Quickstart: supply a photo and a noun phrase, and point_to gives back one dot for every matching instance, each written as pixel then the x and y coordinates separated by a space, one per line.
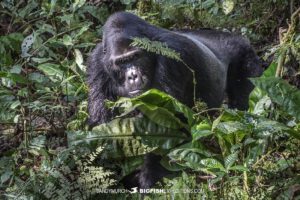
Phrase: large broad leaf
pixel 265 127
pixel 257 94
pixel 129 137
pixel 158 107
pixel 160 115
pixel 281 93
pixel 189 155
pixel 168 102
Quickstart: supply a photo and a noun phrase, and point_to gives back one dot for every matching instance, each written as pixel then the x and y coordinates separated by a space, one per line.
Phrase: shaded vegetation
pixel 47 151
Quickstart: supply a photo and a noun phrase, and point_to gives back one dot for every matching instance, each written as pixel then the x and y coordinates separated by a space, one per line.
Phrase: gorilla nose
pixel 132 76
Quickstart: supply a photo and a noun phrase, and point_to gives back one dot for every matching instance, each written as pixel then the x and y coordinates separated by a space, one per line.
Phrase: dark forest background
pixel 47 151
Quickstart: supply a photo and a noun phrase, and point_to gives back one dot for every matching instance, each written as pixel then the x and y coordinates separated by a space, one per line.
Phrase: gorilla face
pixel 131 68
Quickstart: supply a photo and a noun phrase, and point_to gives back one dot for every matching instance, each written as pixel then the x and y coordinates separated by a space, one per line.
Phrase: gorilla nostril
pixel 134 76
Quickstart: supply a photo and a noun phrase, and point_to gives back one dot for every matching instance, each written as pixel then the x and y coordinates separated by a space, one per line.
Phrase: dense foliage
pixel 47 151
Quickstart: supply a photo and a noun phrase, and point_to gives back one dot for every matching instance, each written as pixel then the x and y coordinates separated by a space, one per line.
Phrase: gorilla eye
pixel 128 57
pixel 125 59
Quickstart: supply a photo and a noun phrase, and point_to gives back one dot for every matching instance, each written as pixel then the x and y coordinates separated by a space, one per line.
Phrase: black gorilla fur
pixel 222 61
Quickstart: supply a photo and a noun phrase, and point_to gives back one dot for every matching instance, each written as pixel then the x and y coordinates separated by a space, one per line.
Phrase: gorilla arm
pixel 100 86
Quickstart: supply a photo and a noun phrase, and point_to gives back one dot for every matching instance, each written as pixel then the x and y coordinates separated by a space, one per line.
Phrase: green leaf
pixel 68 79
pixel 17 78
pixel 100 13
pixel 189 155
pixel 26 10
pixel 160 116
pixel 263 104
pixel 52 7
pixel 228 6
pixel 171 165
pixel 67 40
pixel 264 125
pixel 40 60
pixel 38 142
pixel 270 71
pixel 16 69
pixel 282 93
pixel 192 146
pixel 37 77
pixel 230 160
pixel 129 137
pixel 128 2
pixel 79 60
pixel 231 127
pixel 6 176
pixel 131 164
pixel 211 163
pixel 201 130
pixel 77 4
pixel 26 45
pixel 257 94
pixel 46 28
pixel 53 71
pixel 83 29
pixel 15 104
pixel 239 168
pixel 208 3
pixel 159 107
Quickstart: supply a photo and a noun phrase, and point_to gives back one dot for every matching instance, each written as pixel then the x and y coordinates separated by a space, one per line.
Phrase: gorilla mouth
pixel 134 92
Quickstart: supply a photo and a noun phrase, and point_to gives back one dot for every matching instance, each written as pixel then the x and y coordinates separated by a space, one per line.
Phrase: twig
pixel 207 110
pixel 291 7
pixel 263 157
pixel 285 38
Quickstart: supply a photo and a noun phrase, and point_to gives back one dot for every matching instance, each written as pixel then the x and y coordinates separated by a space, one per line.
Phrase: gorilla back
pixel 222 62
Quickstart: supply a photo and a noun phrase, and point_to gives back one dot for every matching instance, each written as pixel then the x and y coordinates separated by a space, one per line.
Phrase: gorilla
pixel 222 62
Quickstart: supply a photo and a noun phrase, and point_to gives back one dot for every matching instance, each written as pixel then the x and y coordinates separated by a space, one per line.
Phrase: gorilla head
pixel 222 63
pixel 131 69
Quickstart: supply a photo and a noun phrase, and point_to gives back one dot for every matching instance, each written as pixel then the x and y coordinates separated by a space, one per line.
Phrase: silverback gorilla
pixel 222 62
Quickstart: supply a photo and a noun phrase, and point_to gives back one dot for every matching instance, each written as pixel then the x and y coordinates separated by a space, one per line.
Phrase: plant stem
pixel 245 180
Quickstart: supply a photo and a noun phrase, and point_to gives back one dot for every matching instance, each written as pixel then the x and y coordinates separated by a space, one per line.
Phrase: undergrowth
pixel 47 151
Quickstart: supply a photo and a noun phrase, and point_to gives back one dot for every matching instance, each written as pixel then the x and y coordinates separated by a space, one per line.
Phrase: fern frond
pixel 84 183
pixel 156 47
